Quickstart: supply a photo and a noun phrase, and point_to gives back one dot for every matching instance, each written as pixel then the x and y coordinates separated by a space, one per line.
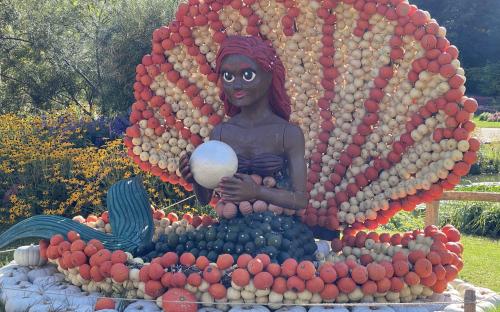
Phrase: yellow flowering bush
pixel 48 166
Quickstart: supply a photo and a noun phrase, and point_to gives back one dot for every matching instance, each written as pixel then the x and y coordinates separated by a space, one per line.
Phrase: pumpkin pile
pixel 280 237
pixel 366 267
pixel 375 85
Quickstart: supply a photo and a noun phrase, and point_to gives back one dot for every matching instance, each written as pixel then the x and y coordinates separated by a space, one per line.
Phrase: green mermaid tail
pixel 129 213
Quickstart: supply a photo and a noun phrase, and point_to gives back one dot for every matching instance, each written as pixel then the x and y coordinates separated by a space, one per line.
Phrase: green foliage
pixel 484 116
pixel 476 218
pixel 472 27
pixel 53 54
pixel 488 160
pixel 493 188
pixel 406 221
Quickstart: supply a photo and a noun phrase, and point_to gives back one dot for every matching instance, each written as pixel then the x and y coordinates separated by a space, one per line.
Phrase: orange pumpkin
pixel 274 269
pixel 179 300
pixel 306 270
pixel 95 274
pixel 423 267
pixel 397 284
pixel 96 243
pixel 55 240
pixel 77 245
pixel 376 271
pixel 212 274
pixel 255 266
pixel 167 280
pixel 90 250
pixel 327 272
pixel 179 279
pixel 412 278
pixel 118 256
pixel 156 271
pixel 240 277
pixel 73 236
pixel 202 262
pixel 263 280
pixel 341 268
pixel 266 260
pixel 169 259
pixel 105 268
pixel 84 271
pixel 217 291
pixel 289 267
pixel 346 285
pixel 194 279
pixel 315 284
pixel 330 292
pixel 104 303
pixel 243 260
pixel 295 283
pixel 401 268
pixel 279 285
pixel 187 259
pixel 225 261
pixel 154 289
pixel 144 274
pixel 119 272
pixel 78 258
pixel 369 288
pixel 383 285
pixel 359 274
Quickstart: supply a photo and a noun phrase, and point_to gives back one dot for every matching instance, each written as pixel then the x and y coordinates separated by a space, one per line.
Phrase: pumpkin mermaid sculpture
pixel 252 78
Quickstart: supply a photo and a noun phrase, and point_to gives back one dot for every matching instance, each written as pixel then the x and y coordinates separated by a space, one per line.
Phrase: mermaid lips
pixel 240 94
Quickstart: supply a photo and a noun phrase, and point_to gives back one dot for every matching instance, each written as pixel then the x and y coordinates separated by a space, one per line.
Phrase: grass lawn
pixel 486 124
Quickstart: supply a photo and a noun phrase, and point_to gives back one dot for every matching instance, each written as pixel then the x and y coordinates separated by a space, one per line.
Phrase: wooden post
pixel 431 213
pixel 470 300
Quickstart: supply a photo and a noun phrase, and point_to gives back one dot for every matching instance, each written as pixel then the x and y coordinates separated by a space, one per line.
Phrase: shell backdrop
pixel 375 85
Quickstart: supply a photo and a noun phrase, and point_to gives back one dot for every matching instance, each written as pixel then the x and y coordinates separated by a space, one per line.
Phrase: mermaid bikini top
pixel 264 164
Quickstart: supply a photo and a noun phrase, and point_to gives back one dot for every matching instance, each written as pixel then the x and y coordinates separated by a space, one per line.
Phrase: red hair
pixel 265 55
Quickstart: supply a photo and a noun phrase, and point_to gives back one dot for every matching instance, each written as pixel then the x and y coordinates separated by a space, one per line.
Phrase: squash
pixel 29 256
pixel 179 300
pixel 48 280
pixel 22 303
pixel 41 272
pixel 15 290
pixel 12 277
pixel 142 305
pixel 250 308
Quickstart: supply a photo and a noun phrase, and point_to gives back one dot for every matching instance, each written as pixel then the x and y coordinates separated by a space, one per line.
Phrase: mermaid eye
pixel 228 77
pixel 249 75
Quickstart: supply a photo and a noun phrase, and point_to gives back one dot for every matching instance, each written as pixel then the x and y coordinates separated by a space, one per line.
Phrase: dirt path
pixel 488 135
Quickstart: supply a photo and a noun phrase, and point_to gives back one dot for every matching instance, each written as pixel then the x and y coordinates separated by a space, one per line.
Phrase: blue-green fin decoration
pixel 130 217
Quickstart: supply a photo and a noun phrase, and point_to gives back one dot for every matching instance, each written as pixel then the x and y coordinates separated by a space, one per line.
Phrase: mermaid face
pixel 244 81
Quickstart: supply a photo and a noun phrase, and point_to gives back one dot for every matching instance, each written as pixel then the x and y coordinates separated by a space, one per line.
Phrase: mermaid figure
pixel 252 84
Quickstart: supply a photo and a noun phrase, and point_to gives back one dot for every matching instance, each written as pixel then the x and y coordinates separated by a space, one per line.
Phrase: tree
pixel 80 52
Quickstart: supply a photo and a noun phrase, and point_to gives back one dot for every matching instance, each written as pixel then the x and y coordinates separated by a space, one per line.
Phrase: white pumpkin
pixel 250 308
pixel 373 309
pixel 12 278
pixel 292 309
pixel 22 303
pixel 46 281
pixel 142 305
pixel 328 309
pixel 29 256
pixel 14 290
pixel 41 272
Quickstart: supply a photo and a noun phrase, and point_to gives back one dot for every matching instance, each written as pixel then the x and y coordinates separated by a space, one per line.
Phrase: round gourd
pixel 212 161
pixel 28 256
